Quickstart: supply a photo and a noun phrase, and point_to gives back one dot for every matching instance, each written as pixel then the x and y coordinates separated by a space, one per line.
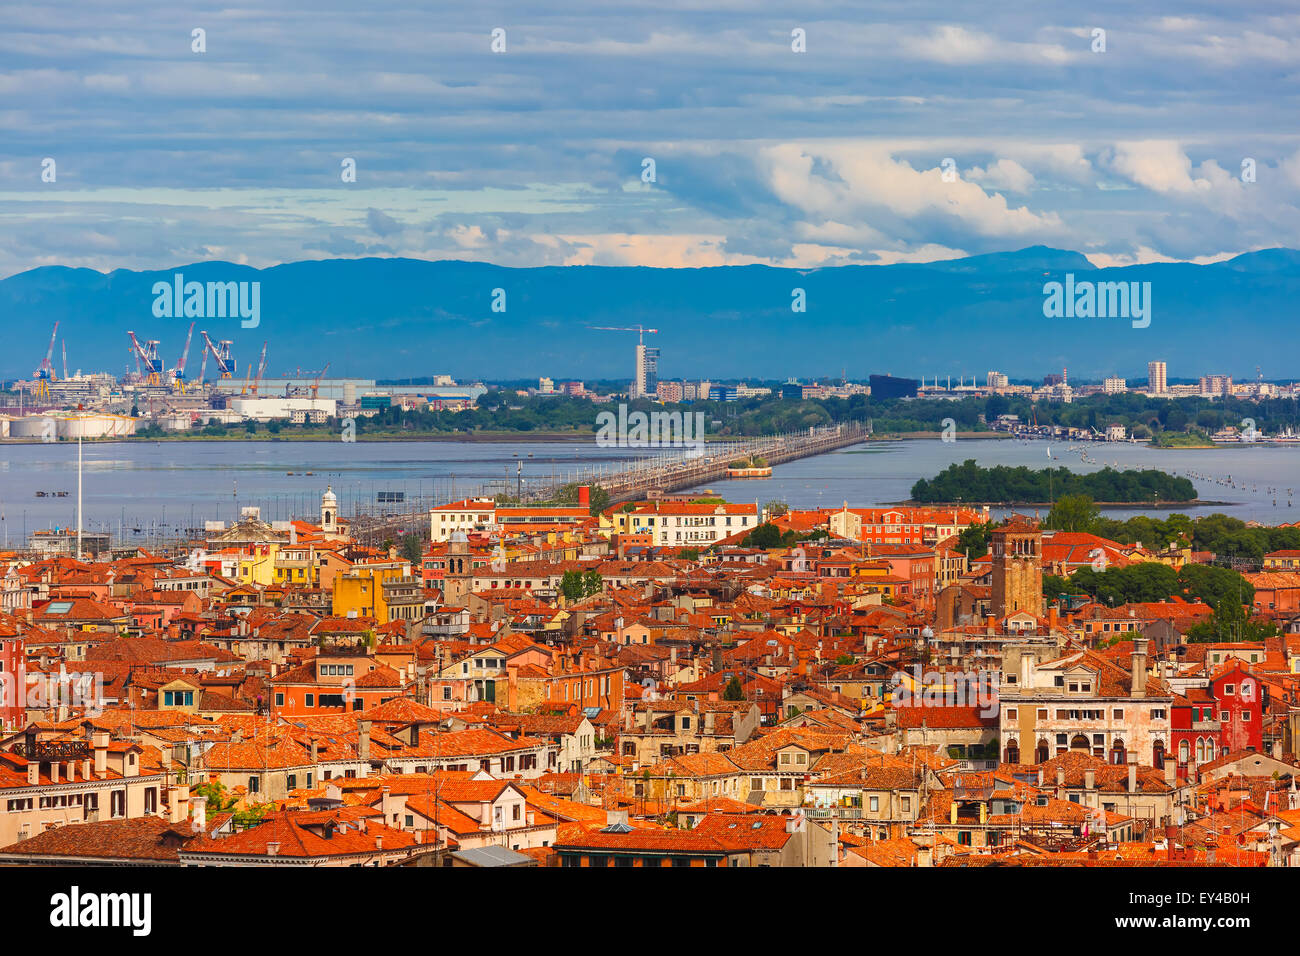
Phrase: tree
pixel 766 535
pixel 220 800
pixel 599 499
pixel 776 508
pixel 412 549
pixel 734 691
pixel 973 541
pixel 1072 513
pixel 1230 622
pixel 571 586
pixel 592 583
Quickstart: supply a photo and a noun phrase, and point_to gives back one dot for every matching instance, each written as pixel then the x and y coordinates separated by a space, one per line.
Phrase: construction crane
pixel 221 352
pixel 178 373
pixel 315 386
pixel 639 329
pixel 147 358
pixel 261 370
pixel 44 373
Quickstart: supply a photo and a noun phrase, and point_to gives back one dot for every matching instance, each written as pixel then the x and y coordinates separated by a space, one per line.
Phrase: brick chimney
pixel 363 740
pixel 1139 664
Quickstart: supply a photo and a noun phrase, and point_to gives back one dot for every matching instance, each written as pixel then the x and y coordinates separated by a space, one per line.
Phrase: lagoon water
pixel 884 471
pixel 162 488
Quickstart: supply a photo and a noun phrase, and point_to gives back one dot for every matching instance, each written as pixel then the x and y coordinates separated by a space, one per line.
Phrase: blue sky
pixel 534 156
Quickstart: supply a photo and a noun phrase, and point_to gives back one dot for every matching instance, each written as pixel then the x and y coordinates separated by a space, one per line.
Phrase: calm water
pixel 884 472
pixel 152 491
pixel 164 488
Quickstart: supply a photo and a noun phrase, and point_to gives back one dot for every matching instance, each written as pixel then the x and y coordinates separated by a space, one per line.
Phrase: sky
pixel 1127 146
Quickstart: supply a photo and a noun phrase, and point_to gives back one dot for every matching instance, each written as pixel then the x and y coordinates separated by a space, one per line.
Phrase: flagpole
pixel 79 552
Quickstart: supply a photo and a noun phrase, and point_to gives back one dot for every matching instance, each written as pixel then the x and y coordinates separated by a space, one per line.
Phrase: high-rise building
pixel 1156 381
pixel 1114 385
pixel 646 383
pixel 1213 385
pixel 997 380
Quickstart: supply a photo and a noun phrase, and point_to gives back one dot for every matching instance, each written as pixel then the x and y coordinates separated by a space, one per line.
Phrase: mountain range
pixel 397 318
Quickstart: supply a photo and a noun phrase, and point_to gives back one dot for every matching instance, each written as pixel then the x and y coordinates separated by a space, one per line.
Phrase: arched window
pixel 1158 755
pixel 1012 751
pixel 1042 755
pixel 1118 752
pixel 1184 752
pixel 1079 742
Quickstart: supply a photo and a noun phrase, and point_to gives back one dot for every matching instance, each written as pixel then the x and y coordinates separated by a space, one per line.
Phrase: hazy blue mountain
pixel 388 318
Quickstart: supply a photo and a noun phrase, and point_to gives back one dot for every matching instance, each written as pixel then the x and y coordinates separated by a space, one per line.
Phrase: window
pixel 309 700
pixel 279 700
pixel 254 784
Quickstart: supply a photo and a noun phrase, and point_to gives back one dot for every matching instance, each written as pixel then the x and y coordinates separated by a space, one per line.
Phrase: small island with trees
pixel 969 483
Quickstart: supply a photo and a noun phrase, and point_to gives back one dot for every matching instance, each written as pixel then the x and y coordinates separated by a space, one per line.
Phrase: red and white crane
pixel 147 356
pixel 221 352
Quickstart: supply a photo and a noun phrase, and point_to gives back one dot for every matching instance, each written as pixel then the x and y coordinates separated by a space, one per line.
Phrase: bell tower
pixel 329 511
pixel 456 582
pixel 1017 552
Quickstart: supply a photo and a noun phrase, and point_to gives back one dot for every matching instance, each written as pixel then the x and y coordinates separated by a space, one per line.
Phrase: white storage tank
pixel 97 425
pixel 34 426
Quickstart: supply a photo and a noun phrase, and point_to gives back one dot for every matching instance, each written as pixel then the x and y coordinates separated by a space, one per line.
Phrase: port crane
pixel 261 370
pixel 221 352
pixel 44 373
pixel 178 373
pixel 315 386
pixel 147 359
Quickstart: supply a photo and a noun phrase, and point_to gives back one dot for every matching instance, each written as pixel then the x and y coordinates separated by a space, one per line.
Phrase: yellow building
pixel 259 566
pixel 360 591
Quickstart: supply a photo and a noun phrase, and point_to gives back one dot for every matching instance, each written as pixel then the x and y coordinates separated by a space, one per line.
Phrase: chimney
pixel 1140 666
pixel 1132 772
pixel 273 849
pixel 1060 778
pixel 198 813
pixel 177 809
pixel 1090 779
pixel 72 770
pixel 85 768
pixel 1171 771
pixel 363 740
pixel 33 773
pixel 379 843
pixel 1170 833
pixel 99 740
pixel 54 771
pixel 315 749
